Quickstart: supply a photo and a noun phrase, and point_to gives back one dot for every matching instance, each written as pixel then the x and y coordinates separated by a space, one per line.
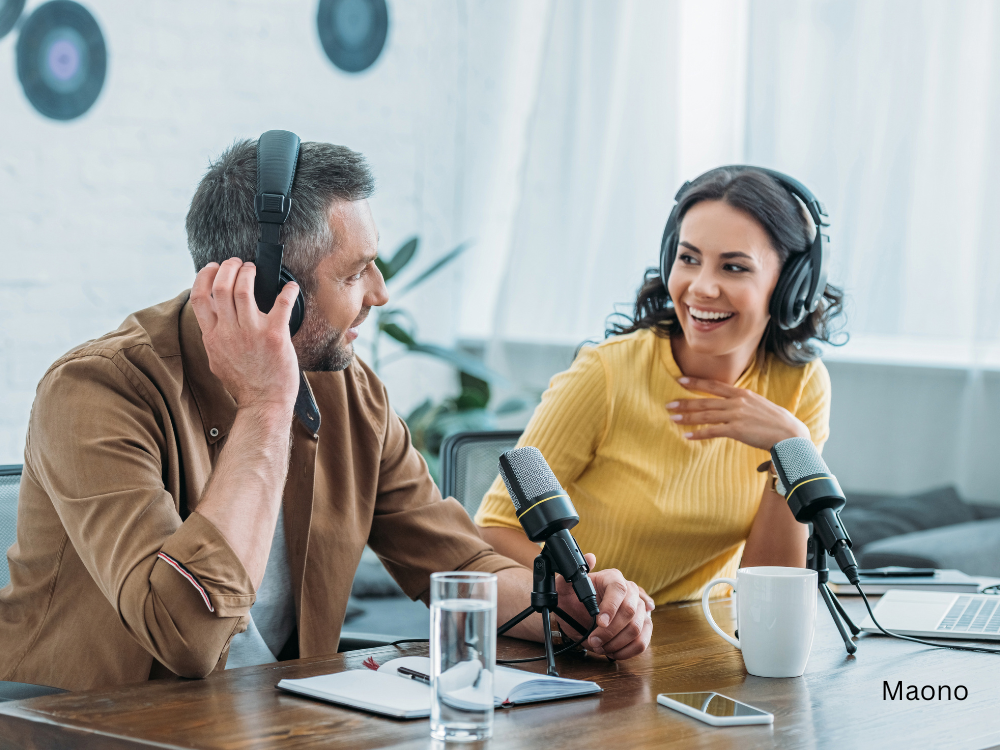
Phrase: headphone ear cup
pixel 788 301
pixel 668 252
pixel 299 307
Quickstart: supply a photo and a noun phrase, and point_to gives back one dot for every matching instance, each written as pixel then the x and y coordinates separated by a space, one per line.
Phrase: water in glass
pixel 463 655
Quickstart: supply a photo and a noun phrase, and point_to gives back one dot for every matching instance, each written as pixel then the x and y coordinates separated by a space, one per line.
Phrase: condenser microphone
pixel 547 514
pixel 814 496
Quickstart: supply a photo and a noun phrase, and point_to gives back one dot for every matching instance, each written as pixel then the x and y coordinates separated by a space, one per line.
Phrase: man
pixel 183 467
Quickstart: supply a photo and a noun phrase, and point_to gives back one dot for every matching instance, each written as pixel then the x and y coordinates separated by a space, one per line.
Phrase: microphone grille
pixel 799 459
pixel 531 474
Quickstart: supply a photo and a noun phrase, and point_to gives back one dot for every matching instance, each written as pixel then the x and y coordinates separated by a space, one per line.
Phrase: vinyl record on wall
pixel 61 59
pixel 352 32
pixel 10 11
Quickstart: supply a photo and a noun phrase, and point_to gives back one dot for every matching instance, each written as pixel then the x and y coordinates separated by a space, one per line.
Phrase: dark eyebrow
pixel 724 256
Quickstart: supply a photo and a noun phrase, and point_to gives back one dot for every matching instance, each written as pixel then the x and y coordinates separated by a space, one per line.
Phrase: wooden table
pixel 838 703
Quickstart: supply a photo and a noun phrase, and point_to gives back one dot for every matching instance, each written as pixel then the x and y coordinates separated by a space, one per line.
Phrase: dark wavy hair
pixel 780 214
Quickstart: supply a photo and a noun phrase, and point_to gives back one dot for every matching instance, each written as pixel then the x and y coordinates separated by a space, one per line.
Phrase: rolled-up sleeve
pixel 415 531
pixel 97 445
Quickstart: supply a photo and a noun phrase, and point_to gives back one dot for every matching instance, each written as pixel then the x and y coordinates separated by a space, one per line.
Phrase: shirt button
pixel 214 432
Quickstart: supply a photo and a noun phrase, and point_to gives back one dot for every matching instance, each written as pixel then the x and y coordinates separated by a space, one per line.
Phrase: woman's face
pixel 722 279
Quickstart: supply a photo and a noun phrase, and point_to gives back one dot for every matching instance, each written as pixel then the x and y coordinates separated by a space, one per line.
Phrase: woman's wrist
pixel 796 429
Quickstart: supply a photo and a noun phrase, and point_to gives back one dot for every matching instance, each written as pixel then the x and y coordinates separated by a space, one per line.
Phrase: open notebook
pixel 387 692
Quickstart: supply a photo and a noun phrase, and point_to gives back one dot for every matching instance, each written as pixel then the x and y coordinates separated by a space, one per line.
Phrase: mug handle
pixel 708 614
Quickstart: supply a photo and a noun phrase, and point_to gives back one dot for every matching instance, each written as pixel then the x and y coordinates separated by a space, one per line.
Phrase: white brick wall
pixel 93 209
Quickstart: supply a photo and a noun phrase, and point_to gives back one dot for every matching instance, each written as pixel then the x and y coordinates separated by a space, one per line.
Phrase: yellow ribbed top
pixel 671 514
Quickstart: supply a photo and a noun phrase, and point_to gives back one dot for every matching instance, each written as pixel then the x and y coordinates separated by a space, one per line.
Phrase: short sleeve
pixel 567 427
pixel 813 408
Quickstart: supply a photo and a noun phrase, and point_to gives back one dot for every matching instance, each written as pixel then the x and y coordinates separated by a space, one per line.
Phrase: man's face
pixel 345 286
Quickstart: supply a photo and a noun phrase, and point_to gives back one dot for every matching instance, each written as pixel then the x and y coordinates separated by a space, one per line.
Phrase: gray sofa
pixel 933 529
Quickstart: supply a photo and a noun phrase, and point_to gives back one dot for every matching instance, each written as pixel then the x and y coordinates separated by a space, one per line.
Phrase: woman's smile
pixel 705 320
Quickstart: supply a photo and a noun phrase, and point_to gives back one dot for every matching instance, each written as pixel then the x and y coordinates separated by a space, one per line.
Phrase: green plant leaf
pixel 434 268
pixel 403 256
pixel 471 399
pixel 395 264
pixel 475 392
pixel 462 362
pixel 396 332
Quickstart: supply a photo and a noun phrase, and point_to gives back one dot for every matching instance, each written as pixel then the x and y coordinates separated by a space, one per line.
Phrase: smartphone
pixel 714 709
pixel 893 571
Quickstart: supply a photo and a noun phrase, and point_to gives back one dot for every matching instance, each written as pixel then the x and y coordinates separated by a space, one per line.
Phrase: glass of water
pixel 463 655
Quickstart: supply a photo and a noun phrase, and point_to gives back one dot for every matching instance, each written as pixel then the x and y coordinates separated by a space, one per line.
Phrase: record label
pixel 352 32
pixel 61 59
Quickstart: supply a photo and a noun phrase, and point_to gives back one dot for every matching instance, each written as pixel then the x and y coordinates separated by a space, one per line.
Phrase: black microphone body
pixel 814 496
pixel 547 514
pixel 567 558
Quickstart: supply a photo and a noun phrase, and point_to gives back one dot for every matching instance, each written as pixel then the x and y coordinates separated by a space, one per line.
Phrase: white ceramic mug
pixel 775 618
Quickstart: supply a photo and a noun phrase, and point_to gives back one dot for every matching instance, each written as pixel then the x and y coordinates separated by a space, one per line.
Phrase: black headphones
pixel 803 278
pixel 277 155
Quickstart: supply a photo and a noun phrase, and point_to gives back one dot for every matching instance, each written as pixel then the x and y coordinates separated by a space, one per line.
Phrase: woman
pixel 658 432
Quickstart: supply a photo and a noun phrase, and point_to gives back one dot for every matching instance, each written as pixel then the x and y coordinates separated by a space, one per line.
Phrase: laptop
pixel 932 614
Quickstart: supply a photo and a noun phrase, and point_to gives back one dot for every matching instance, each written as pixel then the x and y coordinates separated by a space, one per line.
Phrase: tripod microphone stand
pixel 545 599
pixel 816 559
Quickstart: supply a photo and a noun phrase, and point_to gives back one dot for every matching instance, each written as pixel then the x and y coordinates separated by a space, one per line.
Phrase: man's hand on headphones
pixel 250 352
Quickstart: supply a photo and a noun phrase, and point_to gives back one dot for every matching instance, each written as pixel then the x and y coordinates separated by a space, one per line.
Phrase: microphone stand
pixel 816 559
pixel 544 599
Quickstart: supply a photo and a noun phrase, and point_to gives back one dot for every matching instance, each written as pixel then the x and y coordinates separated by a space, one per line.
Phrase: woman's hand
pixel 737 413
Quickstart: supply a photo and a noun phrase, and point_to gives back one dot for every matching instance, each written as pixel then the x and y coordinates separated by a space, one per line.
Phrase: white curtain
pixel 890 111
pixel 612 129
pixel 887 109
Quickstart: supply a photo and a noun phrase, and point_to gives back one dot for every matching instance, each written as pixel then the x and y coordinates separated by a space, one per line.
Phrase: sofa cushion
pixel 891 516
pixel 973 548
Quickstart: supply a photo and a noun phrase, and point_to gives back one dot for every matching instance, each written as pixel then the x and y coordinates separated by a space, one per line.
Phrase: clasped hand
pixel 736 413
pixel 624 626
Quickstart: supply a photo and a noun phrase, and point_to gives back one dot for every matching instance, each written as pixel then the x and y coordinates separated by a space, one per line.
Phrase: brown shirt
pixel 123 435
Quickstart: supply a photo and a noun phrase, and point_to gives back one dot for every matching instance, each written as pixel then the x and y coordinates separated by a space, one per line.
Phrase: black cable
pixel 560 652
pixel 871 614
pixel 410 640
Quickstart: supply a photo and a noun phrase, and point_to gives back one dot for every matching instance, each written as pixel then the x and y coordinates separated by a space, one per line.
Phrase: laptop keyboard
pixel 972 614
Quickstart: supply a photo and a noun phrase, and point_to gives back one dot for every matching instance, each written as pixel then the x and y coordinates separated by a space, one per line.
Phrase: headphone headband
pixel 277 158
pixel 803 278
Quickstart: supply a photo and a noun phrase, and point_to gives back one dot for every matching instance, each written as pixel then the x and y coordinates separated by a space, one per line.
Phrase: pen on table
pixel 414 675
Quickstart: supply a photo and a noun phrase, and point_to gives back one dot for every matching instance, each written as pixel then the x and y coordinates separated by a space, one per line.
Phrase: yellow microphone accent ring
pixel 543 500
pixel 814 479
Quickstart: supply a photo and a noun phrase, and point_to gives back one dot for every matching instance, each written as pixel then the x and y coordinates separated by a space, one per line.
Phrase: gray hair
pixel 221 222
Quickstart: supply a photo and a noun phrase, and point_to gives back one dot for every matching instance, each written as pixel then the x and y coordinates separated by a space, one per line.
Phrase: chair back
pixel 469 464
pixel 10 485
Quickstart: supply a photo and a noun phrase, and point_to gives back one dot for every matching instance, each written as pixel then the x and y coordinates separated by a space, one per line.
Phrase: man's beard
pixel 317 345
